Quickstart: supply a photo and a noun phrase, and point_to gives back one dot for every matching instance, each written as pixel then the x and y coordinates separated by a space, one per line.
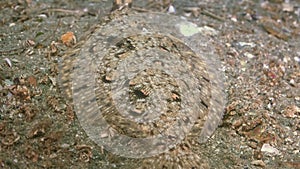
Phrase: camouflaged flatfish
pixel 146 85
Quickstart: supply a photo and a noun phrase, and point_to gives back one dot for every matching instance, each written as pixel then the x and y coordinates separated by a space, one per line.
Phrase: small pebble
pixel 249 55
pixel 171 9
pixel 292 82
pixel 259 163
pixel 65 145
pixel 243 44
pixel 297 59
pixel 234 19
pixel 206 30
pixel 12 24
pixel 286 7
pixel 42 16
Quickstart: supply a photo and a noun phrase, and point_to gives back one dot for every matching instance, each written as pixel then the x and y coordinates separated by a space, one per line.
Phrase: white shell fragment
pixel 269 149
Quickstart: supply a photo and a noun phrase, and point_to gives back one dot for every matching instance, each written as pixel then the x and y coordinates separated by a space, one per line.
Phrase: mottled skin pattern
pixel 182 155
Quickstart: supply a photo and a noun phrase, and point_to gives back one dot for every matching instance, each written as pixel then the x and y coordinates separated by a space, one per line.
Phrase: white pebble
pixel 297 59
pixel 171 9
pixel 249 55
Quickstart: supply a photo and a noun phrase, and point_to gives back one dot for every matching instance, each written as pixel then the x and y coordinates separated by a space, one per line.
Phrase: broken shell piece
pixel 8 62
pixel 68 39
pixel 269 149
